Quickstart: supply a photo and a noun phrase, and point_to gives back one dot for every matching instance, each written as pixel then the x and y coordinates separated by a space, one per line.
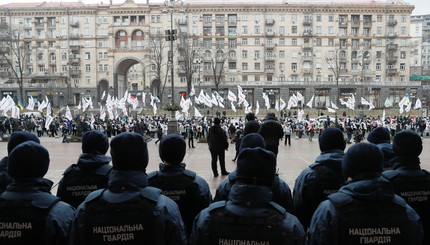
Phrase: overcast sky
pixel 421 6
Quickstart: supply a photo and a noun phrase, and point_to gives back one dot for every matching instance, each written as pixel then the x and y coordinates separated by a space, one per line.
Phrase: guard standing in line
pixel 15 139
pixel 280 189
pixel 29 213
pixel 128 210
pixel 366 210
pixel 90 173
pixel 218 144
pixel 408 179
pixel 189 191
pixel 249 216
pixel 380 136
pixel 321 178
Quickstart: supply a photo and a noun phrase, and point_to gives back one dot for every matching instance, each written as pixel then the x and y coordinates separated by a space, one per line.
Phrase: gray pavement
pixel 291 159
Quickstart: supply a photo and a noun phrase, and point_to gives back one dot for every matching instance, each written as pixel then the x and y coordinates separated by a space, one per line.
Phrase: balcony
pixel 74 36
pixel 307 57
pixel 270 34
pixel 39 24
pixel 74 73
pixel 182 22
pixel 52 62
pixel 367 60
pixel 232 23
pixel 307 22
pixel 392 35
pixel 391 22
pixel 343 71
pixel 392 46
pixel 306 70
pixel 75 24
pixel 392 71
pixel 392 59
pixel 4 74
pixel 270 22
pixel 75 60
pixel 307 33
pixel 269 45
pixel 307 45
pixel 343 23
pixel 269 58
pixel 355 23
pixel 270 70
pixel 343 59
pixel 367 23
pixel 75 48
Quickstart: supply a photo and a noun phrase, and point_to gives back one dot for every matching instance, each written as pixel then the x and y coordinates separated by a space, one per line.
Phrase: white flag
pixel 69 113
pixel 334 106
pixel 300 115
pixel 257 108
pixel 401 110
pixel 300 96
pixel 277 105
pixel 30 105
pixel 214 100
pixel 102 113
pixel 103 95
pixel 178 115
pixel 154 108
pixel 331 110
pixel 417 104
pixel 48 121
pixel 48 109
pixel 233 107
pixel 15 112
pixel 193 91
pixel 197 113
pixel 408 107
pixel 309 104
pixel 404 101
pixel 282 104
pixel 143 98
pixel 221 104
pixel 266 101
pixel 231 96
pixel 219 97
pixel 383 115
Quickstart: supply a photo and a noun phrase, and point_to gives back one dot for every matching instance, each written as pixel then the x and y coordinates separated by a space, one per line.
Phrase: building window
pixel 379 18
pixel 88 80
pixel 87 67
pixel 245 66
pixel 244 53
pixel 281 41
pixel 402 66
pixel 257 66
pixel 294 66
pixel 330 18
pixel 257 41
pixel 281 53
pixel 294 41
pixel 294 29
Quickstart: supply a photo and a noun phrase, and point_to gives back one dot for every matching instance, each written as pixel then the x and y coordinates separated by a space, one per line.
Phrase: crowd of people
pixel 374 192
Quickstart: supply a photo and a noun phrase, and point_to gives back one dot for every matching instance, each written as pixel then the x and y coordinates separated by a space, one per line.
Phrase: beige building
pixel 327 49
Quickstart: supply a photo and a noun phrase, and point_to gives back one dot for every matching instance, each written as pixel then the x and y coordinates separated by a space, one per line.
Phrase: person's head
pixel 252 140
pixel 28 160
pixel 250 116
pixel 129 152
pixel 19 137
pixel 256 166
pixel 251 127
pixel 331 139
pixel 172 149
pixel 362 161
pixel 407 143
pixel 94 141
pixel 271 116
pixel 217 121
pixel 379 135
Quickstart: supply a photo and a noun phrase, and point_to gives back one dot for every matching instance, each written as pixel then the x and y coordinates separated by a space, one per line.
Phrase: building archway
pixel 120 75
pixel 102 87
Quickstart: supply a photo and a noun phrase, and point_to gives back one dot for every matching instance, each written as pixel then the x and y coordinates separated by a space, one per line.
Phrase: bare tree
pixel 189 56
pixel 333 63
pixel 218 61
pixel 15 51
pixel 157 62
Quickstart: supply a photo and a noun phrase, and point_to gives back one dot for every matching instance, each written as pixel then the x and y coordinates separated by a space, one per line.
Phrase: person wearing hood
pixel 272 132
pixel 29 213
pixel 15 139
pixel 90 173
pixel 280 189
pixel 189 191
pixel 128 210
pixel 249 216
pixel 321 178
pixel 365 210
pixel 408 179
pixel 380 136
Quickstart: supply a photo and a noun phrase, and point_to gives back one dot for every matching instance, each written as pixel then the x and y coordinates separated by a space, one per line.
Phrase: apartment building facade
pixel 328 50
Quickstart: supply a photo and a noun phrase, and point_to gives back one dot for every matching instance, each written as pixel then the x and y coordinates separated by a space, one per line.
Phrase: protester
pixel 29 214
pixel 365 210
pixel 218 144
pixel 321 178
pixel 408 179
pixel 249 216
pixel 90 173
pixel 189 191
pixel 128 210
pixel 272 132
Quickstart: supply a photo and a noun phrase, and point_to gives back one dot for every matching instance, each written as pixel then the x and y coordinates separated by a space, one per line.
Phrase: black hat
pixel 271 116
pixel 19 137
pixel 407 143
pixel 331 139
pixel 172 148
pixel 129 152
pixel 256 165
pixel 252 140
pixel 95 141
pixel 379 135
pixel 217 121
pixel 362 160
pixel 251 127
pixel 28 160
